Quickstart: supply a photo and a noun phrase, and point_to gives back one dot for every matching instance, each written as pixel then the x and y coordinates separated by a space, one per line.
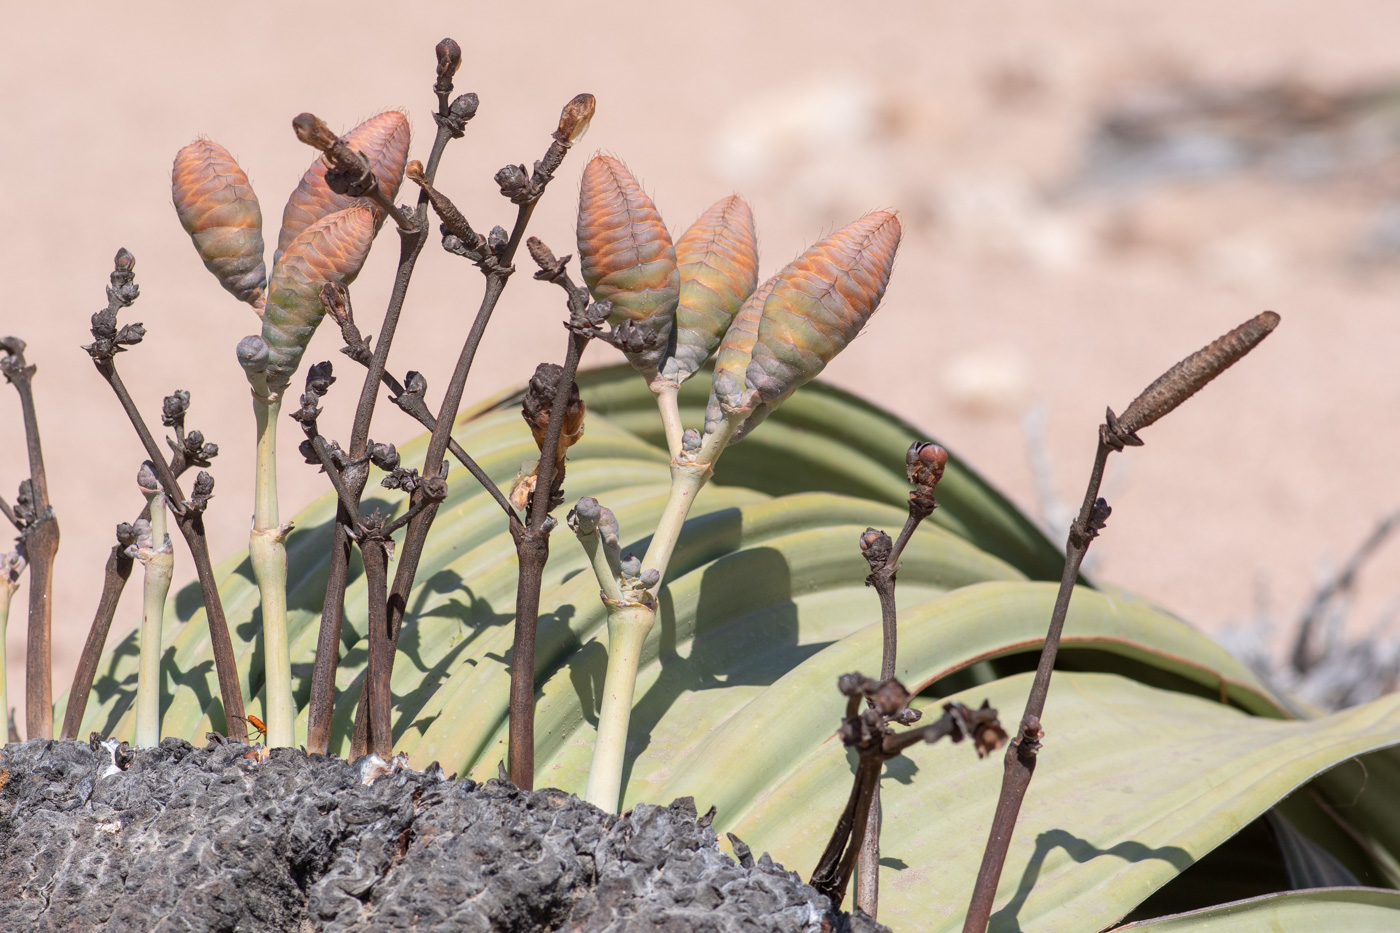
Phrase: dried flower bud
pixel 875 546
pixel 146 478
pixel 126 534
pixel 312 131
pixel 983 727
pixel 890 696
pixel 400 478
pixel 435 487
pixel 631 565
pixel 575 119
pixel 335 298
pixel 449 59
pixel 173 408
pixel 131 334
pixel 925 462
pixel 463 108
pixel 852 685
pixel 319 377
pixel 514 183
pixel 123 289
pixel 598 312
pixel 202 492
pixel 415 383
pixel 384 456
pixel 497 239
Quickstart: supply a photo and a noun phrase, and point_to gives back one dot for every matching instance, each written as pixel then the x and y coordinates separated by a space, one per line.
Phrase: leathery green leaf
pixel 1134 784
pixel 1323 910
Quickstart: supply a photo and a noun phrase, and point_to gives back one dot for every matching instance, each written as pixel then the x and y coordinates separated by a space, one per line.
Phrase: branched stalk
pixel 451 121
pixel 868 732
pixel 189 513
pixel 495 259
pixel 188 450
pixel 39 542
pixel 690 471
pixel 532 548
pixel 115 573
pixel 1171 389
pixel 416 534
pixel 158 556
pixel 924 464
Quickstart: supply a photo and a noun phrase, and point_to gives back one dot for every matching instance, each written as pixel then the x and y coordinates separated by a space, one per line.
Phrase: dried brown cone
pixel 1185 379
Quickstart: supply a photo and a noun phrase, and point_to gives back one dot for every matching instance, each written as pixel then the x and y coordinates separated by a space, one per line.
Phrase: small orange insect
pixel 256 726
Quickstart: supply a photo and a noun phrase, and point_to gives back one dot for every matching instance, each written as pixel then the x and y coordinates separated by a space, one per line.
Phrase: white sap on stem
pixel 157 556
pixel 10 566
pixel 267 549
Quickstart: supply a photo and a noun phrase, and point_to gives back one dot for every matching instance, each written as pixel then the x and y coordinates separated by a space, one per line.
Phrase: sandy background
pixel 1023 285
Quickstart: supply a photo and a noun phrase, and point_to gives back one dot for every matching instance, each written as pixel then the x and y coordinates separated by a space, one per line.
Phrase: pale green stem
pixel 629 623
pixel 159 569
pixel 667 400
pixel 628 626
pixel 268 551
pixel 602 567
pixel 7 589
pixel 686 482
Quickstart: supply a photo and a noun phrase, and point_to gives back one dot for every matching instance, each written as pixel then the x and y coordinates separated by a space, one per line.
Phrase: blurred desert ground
pixel 1090 190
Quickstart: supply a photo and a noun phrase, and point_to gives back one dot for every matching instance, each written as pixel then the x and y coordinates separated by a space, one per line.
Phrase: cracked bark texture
pixel 193 839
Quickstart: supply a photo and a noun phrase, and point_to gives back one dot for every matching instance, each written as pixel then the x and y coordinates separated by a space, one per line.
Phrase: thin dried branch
pixel 1171 389
pixel 869 732
pixel 451 121
pixel 38 541
pixel 494 256
pixel 108 341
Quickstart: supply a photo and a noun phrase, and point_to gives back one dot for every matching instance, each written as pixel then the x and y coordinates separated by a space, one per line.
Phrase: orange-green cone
pixel 626 255
pixel 331 250
pixel 820 303
pixel 734 355
pixel 383 139
pixel 220 212
pixel 718 262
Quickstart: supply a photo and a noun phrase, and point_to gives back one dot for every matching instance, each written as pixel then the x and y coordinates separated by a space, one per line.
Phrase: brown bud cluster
pixel 924 465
